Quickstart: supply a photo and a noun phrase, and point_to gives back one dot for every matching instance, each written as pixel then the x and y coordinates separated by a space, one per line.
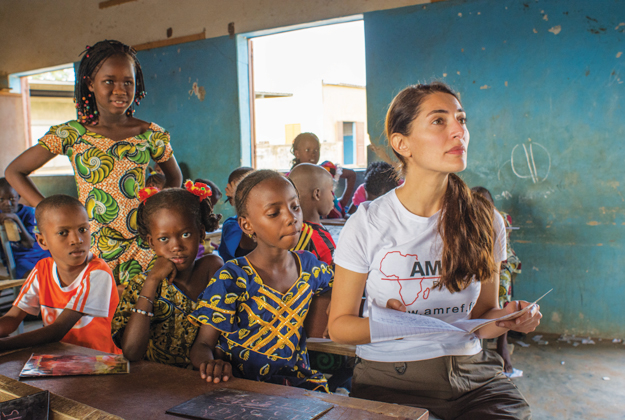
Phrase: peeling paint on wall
pixel 556 29
pixel 198 91
pixel 619 54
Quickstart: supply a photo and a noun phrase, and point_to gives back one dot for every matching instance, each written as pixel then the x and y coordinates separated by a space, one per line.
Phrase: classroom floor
pixel 590 384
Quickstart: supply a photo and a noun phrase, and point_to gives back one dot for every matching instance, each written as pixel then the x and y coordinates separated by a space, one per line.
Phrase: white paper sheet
pixel 388 324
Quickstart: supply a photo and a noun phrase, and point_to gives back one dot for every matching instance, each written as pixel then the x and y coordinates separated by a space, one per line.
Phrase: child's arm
pixel 11 320
pixel 171 170
pixel 350 176
pixel 17 172
pixel 48 334
pixel 203 356
pixel 136 335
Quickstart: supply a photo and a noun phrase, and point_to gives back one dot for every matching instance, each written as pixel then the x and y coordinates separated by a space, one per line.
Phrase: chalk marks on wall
pixel 523 162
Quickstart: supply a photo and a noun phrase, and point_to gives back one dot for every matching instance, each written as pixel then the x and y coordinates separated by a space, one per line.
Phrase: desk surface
pixel 152 388
pixel 7 284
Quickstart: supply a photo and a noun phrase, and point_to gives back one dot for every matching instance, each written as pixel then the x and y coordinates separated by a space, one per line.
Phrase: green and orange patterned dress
pixel 109 175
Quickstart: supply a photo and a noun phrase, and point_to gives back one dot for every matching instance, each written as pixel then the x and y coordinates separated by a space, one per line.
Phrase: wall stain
pixel 556 29
pixel 198 91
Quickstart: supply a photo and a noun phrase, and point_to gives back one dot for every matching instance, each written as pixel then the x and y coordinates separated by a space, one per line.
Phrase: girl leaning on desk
pixel 428 244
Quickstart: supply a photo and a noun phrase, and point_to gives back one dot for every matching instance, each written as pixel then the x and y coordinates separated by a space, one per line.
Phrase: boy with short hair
pixel 74 290
pixel 314 185
pixel 26 252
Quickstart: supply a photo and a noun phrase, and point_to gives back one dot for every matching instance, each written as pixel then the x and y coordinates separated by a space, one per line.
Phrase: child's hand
pixel 395 304
pixel 216 371
pixel 163 268
pixel 525 323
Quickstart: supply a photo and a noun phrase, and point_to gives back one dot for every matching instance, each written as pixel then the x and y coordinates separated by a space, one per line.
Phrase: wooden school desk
pixel 152 388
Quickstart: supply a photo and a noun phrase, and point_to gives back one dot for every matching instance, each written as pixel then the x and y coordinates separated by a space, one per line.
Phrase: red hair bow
pixel 146 193
pixel 201 190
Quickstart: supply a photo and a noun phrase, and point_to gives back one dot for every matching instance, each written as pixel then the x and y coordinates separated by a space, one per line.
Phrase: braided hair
pixel 181 200
pixel 92 59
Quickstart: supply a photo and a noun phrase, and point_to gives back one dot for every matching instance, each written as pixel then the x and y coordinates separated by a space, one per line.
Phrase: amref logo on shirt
pixel 407 270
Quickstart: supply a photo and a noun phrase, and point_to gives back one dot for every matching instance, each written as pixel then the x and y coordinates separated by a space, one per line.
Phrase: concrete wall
pixel 13 133
pixel 546 77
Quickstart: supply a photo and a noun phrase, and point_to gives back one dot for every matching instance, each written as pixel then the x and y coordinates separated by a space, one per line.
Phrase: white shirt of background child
pixel 401 252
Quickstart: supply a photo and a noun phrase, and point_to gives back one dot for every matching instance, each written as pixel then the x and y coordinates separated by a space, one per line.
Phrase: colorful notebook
pixel 53 365
pixel 226 403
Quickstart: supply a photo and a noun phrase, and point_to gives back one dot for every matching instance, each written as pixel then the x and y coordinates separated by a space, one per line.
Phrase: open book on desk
pixel 388 324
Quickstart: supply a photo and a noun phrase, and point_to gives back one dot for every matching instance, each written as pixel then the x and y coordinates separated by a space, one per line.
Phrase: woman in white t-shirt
pixel 431 248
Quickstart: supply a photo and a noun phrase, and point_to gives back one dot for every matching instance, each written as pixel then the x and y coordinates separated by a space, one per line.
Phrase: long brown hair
pixel 466 219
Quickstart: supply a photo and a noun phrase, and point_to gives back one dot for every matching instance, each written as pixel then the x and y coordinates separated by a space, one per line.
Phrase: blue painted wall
pixel 542 74
pixel 205 130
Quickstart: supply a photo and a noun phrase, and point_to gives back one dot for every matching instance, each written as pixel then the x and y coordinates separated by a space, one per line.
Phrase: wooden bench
pixel 325 345
pixel 152 388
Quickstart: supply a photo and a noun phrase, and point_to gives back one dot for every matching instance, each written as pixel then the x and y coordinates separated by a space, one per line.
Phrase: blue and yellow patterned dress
pixel 262 329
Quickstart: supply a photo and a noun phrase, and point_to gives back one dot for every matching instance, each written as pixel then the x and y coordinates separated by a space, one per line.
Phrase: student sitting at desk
pixel 233 243
pixel 314 185
pixel 74 290
pixel 151 320
pixel 27 251
pixel 253 310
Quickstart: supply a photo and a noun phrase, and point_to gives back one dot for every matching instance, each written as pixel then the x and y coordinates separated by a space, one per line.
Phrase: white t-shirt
pixel 401 252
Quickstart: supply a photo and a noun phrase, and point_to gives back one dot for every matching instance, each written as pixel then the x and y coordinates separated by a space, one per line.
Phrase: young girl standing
pixel 306 147
pixel 426 245
pixel 253 310
pixel 109 150
pixel 151 319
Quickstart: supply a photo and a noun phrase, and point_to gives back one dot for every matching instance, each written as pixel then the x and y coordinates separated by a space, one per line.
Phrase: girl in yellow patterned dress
pixel 109 151
pixel 151 319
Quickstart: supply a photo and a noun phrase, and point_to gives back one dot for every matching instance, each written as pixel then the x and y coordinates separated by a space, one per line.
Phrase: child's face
pixel 175 236
pixel 65 233
pixel 9 199
pixel 274 214
pixel 114 85
pixel 307 151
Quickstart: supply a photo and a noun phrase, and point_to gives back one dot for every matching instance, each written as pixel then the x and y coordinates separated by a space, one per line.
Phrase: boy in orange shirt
pixel 74 290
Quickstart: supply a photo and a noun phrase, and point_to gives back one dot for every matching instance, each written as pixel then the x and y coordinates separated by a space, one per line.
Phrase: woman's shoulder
pixel 152 126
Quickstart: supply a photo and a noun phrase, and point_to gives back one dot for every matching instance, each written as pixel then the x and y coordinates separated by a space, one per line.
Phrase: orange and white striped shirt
pixel 92 293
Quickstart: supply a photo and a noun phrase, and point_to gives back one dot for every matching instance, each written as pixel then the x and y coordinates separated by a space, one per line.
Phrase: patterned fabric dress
pixel 109 175
pixel 171 332
pixel 509 268
pixel 262 329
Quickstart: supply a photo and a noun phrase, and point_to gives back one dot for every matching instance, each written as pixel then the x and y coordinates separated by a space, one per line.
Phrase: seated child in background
pixel 74 290
pixel 253 310
pixel 214 199
pixel 27 251
pixel 380 178
pixel 156 180
pixel 233 242
pixel 314 185
pixel 151 320
pixel 207 247
pixel 306 147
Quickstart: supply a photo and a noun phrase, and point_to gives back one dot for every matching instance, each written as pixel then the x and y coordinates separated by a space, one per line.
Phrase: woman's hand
pixel 163 268
pixel 527 322
pixel 396 305
pixel 215 371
